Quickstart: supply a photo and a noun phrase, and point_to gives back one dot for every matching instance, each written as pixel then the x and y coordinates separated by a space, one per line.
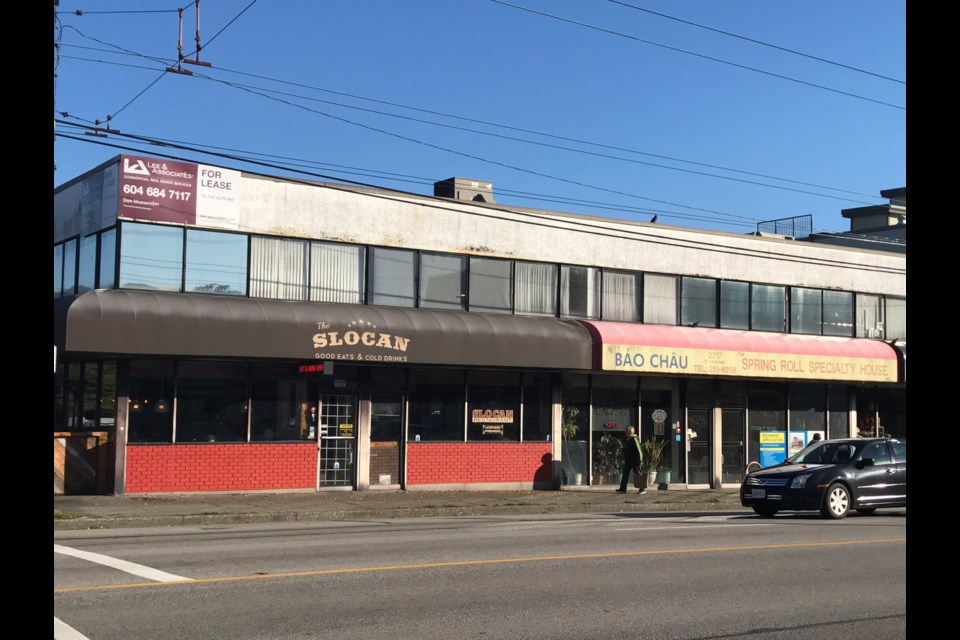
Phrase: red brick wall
pixel 220 467
pixel 461 462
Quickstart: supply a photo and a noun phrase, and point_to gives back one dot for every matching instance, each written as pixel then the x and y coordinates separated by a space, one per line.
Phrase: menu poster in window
pixel 773 448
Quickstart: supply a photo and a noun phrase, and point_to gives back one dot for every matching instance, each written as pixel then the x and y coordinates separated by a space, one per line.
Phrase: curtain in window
pixel 620 297
pixel 659 299
pixel 336 273
pixel 579 292
pixel 536 288
pixel 278 268
pixel 869 316
pixel 897 319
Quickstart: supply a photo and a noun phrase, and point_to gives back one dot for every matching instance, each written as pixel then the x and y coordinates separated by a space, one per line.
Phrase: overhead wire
pixel 699 55
pixel 755 41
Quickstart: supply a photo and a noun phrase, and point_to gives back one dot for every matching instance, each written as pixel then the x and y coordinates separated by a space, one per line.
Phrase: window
pixel 436 407
pixel 87 271
pixel 877 451
pixel 493 409
pixel 537 407
pixel 837 313
pixel 767 308
pixel 899 451
pixel 490 290
pixel 869 316
pixel 150 417
pixel 392 277
pixel 659 299
pixel 70 267
pixel 535 289
pixel 151 257
pixel 896 319
pixel 622 294
pixel 108 259
pixel 211 402
pixel 278 268
pixel 806 311
pixel 698 302
pixel 579 292
pixel 838 419
pixel 337 272
pixel 274 407
pixel 216 263
pixel 734 305
pixel 808 411
pixel 766 411
pixel 442 281
pixel 57 270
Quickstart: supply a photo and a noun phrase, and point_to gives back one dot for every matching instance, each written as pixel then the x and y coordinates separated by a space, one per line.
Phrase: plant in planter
pixel 653 457
pixel 574 452
pixel 608 457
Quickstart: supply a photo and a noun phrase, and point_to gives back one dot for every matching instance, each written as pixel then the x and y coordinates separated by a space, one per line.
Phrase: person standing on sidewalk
pixel 632 456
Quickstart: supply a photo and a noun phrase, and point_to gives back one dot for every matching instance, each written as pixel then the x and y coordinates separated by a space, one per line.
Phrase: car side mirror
pixel 866 462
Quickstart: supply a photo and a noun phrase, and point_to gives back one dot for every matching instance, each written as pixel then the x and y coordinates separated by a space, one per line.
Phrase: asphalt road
pixel 706 576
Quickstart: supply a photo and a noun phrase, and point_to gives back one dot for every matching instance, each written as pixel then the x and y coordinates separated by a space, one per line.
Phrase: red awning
pixel 621 346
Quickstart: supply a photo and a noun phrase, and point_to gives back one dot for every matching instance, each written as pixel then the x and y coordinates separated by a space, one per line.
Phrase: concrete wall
pixel 280 208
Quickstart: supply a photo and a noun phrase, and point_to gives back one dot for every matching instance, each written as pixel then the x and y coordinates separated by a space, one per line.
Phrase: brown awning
pixel 122 322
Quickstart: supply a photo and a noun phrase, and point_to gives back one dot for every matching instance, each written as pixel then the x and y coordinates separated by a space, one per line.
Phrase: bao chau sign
pixel 178 192
pixel 712 362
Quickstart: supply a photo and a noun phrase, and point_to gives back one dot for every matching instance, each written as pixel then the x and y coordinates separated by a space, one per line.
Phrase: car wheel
pixel 836 502
pixel 866 510
pixel 766 512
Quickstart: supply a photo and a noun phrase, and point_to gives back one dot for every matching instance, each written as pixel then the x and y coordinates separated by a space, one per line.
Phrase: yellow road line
pixel 466 563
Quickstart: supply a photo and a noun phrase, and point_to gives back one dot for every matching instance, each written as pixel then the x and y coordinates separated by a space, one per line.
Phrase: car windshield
pixel 827 453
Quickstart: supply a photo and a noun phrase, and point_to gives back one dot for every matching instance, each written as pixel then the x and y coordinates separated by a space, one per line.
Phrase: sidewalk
pixel 122 511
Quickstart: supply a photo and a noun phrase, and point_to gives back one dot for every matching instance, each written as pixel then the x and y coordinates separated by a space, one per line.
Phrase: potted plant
pixel 608 458
pixel 574 451
pixel 653 457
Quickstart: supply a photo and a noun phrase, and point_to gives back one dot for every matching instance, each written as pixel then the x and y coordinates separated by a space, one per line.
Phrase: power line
pixel 81 12
pixel 699 55
pixel 760 42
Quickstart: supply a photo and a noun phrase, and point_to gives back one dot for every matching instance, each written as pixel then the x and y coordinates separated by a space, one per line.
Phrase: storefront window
pixel 808 415
pixel 869 316
pixel 698 302
pixel 211 402
pixel 436 405
pixel 579 292
pixel 537 407
pixel 622 293
pixel 274 406
pixel 615 400
pixel 767 308
pixel 734 305
pixel 392 277
pixel 442 281
pixel 867 413
pixel 278 268
pixel 490 290
pixel 659 299
pixel 59 385
pixel 87 271
pixel 337 272
pixel 575 429
pixel 806 311
pixel 151 257
pixel 57 270
pixel 150 404
pixel 838 419
pixel 493 406
pixel 535 291
pixel 766 424
pixel 216 263
pixel 108 395
pixel 108 259
pixel 892 412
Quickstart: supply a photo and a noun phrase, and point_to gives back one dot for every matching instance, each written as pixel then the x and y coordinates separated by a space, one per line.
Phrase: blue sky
pixel 593 106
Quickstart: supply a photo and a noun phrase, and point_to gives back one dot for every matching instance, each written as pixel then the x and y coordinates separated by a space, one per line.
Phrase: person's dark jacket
pixel 631 452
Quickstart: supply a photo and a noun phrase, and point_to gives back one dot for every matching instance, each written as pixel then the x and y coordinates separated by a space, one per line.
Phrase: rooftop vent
pixel 464 189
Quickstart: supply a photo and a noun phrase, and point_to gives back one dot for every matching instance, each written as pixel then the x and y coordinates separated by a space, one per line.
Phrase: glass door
pixel 337 433
pixel 699 441
pixel 732 434
pixel 386 434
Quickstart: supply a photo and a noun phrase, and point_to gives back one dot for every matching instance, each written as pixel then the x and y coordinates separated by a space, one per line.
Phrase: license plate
pixel 758 494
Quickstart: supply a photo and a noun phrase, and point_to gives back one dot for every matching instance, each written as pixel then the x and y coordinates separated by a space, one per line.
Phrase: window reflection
pixel 216 262
pixel 151 257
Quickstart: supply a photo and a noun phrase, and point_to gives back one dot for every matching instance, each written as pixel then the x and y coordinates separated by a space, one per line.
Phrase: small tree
pixel 653 453
pixel 568 427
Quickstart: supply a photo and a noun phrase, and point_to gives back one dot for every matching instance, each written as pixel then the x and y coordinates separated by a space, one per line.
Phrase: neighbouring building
pixel 219 330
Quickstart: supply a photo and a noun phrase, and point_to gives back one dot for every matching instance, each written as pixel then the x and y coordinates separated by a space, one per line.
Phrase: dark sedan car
pixel 832 477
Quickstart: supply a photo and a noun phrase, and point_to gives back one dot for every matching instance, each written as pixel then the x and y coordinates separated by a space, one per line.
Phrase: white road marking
pixel 63 631
pixel 122 565
pixel 693 526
